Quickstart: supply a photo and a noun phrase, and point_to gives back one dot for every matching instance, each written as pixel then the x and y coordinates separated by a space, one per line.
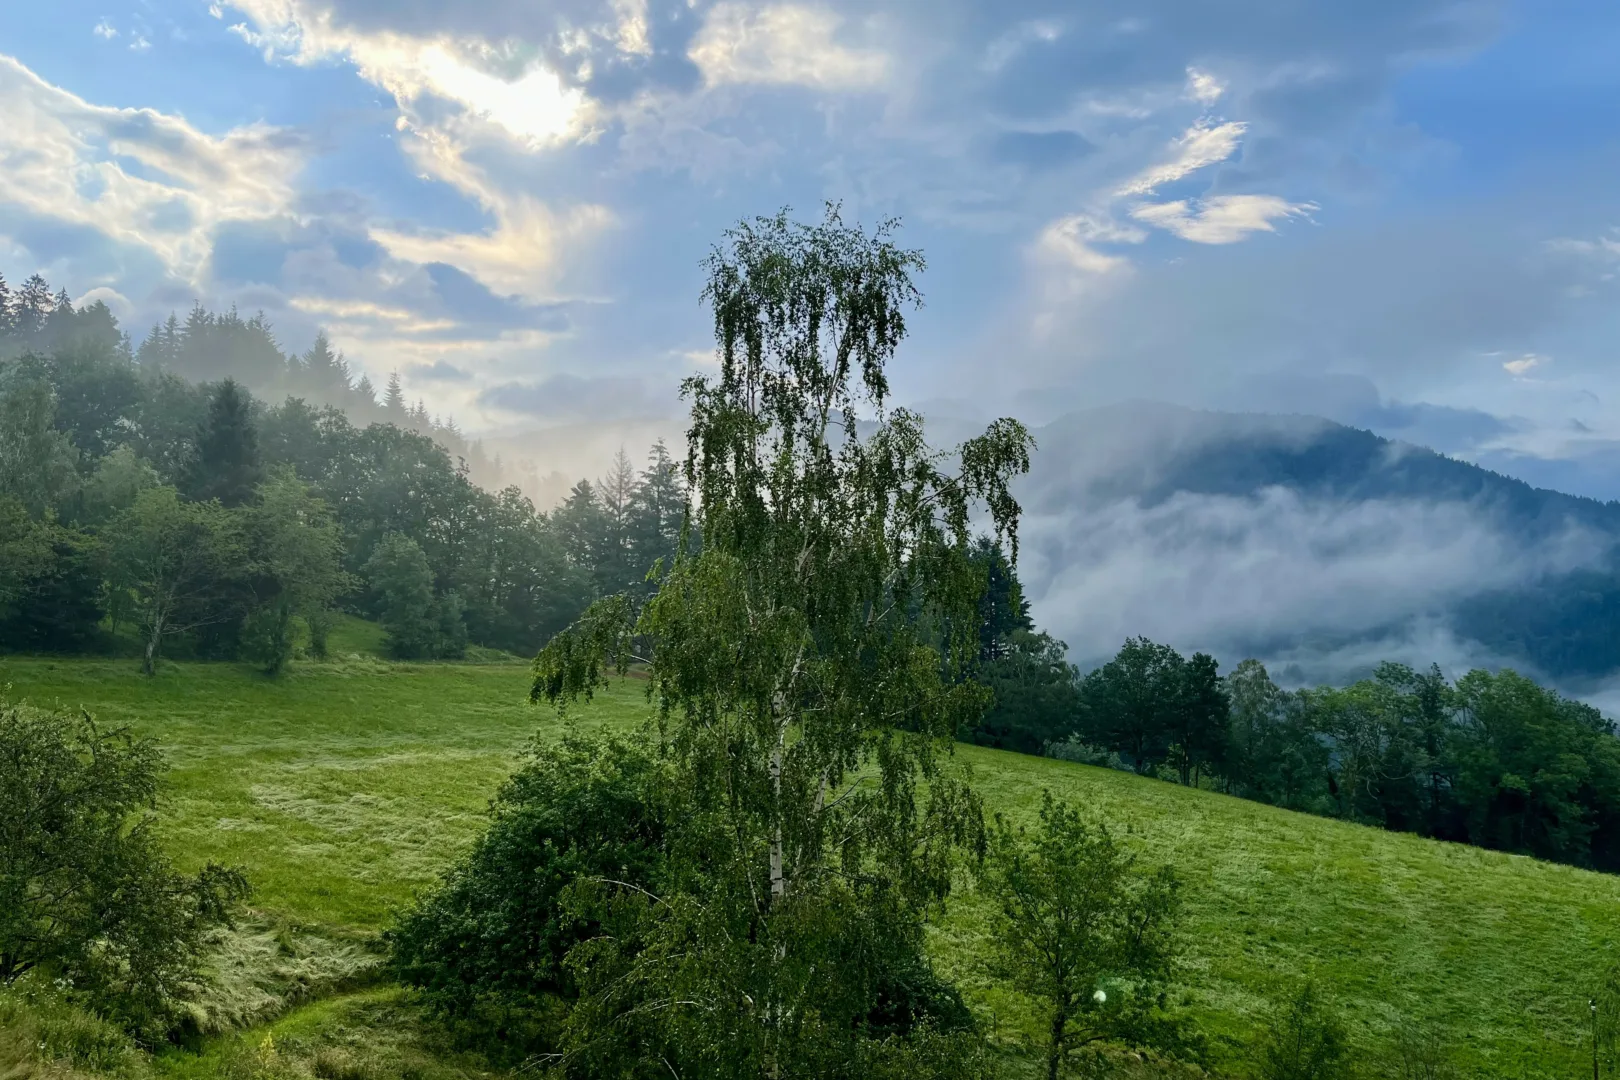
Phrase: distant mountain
pixel 1318 546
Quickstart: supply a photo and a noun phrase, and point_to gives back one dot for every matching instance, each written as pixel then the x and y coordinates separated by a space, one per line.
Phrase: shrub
pixel 86 893
pixel 496 927
pixel 1086 931
pixel 1077 750
pixel 1305 1040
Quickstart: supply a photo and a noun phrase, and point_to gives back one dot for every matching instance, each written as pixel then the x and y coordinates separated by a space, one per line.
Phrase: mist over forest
pixel 1320 548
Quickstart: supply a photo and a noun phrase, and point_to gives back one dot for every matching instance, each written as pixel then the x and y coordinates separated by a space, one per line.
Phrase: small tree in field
pixel 400 576
pixel 1081 929
pixel 1305 1040
pixel 810 660
pixel 86 892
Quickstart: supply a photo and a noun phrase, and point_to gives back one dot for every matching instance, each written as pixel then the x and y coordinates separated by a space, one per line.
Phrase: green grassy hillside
pixel 344 786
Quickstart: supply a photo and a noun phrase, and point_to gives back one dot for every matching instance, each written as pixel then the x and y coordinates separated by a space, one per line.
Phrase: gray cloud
pixel 1239 574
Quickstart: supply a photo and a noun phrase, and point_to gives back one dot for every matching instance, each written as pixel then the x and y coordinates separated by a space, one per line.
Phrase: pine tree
pixel 578 522
pixel 150 354
pixel 616 570
pixel 394 400
pixel 169 342
pixel 193 343
pixel 320 366
pixel 31 307
pixel 658 507
pixel 227 465
pixel 1002 610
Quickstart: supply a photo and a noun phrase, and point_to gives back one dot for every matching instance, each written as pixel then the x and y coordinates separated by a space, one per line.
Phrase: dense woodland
pixel 210 523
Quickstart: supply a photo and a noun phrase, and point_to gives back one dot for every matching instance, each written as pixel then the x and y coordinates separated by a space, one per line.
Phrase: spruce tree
pixel 365 395
pixel 394 400
pixel 657 511
pixel 195 344
pixel 5 308
pixel 170 340
pixel 31 307
pixel 227 463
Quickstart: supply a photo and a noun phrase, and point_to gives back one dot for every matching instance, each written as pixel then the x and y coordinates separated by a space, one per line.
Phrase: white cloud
pixel 1203 87
pixel 1203 144
pixel 1220 219
pixel 782 44
pixel 520 254
pixel 137 176
pixel 523 98
pixel 502 95
pixel 1015 40
pixel 140 44
pixel 115 300
pixel 1069 242
pixel 1523 365
pixel 105 30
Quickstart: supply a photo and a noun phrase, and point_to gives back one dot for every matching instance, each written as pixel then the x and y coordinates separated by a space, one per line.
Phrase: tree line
pixel 1491 758
pixel 206 522
pixel 208 347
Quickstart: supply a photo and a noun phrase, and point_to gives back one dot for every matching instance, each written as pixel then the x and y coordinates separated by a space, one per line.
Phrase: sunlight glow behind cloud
pixel 782 43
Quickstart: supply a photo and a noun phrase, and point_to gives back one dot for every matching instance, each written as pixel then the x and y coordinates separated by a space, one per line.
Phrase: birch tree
pixel 810 654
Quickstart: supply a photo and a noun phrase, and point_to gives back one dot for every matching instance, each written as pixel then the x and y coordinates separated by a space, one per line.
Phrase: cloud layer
pixel 1119 198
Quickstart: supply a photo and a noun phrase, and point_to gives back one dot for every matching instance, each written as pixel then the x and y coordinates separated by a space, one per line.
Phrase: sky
pixel 1397 213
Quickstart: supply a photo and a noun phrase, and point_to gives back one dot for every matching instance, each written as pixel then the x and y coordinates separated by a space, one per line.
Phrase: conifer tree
pixel 192 348
pixel 6 325
pixel 394 400
pixel 365 395
pixel 227 464
pixel 31 307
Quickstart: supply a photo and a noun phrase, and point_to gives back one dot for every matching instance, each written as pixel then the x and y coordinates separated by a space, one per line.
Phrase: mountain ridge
pixel 1269 530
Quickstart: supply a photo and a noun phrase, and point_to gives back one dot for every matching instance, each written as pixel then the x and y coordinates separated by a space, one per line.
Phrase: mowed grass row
pixel 344 787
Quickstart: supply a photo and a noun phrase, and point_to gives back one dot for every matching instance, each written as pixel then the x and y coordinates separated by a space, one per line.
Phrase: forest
pixel 210 524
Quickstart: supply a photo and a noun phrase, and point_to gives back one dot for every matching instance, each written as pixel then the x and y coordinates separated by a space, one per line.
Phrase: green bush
pixel 496 928
pixel 1305 1040
pixel 86 893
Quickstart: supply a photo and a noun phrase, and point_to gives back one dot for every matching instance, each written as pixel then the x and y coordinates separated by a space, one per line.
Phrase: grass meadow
pixel 343 787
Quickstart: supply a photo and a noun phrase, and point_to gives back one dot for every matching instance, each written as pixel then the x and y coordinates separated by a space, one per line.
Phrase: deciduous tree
pixel 170 558
pixel 811 663
pixel 1080 928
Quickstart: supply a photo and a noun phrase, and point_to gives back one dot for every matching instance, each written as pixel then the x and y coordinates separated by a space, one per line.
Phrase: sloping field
pixel 344 786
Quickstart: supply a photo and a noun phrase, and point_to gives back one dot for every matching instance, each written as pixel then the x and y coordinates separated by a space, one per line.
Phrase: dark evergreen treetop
pixel 227 466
